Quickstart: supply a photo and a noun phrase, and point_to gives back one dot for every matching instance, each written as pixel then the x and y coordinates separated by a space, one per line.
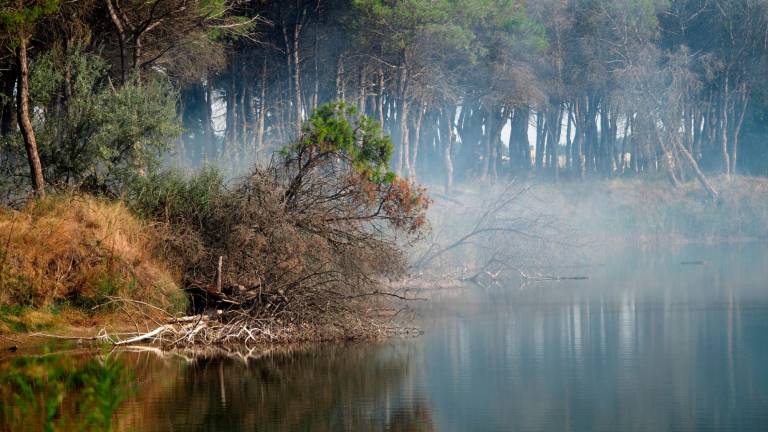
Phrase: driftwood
pixel 248 318
pixel 541 277
pixel 154 333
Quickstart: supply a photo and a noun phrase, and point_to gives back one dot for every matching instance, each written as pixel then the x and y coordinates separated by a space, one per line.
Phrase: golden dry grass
pixel 76 251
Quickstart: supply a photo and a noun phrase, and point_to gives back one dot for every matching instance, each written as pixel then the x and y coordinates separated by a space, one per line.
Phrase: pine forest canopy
pixel 467 89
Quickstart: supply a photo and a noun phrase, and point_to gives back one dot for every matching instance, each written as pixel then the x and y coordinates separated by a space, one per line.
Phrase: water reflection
pixel 645 344
pixel 58 392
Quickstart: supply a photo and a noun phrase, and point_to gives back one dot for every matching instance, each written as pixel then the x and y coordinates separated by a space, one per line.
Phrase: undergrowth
pixel 77 252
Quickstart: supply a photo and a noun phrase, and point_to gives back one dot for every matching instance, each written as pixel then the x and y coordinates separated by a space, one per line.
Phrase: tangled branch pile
pixel 303 243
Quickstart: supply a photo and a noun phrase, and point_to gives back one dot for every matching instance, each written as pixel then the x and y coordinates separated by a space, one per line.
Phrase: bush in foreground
pixel 304 242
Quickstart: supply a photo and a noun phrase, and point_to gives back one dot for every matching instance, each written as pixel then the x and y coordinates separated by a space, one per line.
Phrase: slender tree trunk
pixel 700 121
pixel 501 122
pixel 231 130
pixel 724 131
pixel 25 123
pixel 744 99
pixel 579 138
pixel 697 171
pixel 208 114
pixel 289 71
pixel 121 40
pixel 635 143
pixel 244 109
pixel 540 135
pixel 623 157
pixel 417 137
pixel 340 78
pixel 555 129
pixel 519 147
pixel 568 140
pixel 361 90
pixel 137 51
pixel 380 97
pixel 297 75
pixel 487 149
pixel 512 151
pixel 602 155
pixel 448 137
pixel 262 107
pixel 316 92
pixel 403 162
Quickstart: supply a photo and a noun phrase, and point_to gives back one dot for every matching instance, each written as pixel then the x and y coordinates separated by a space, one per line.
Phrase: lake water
pixel 645 344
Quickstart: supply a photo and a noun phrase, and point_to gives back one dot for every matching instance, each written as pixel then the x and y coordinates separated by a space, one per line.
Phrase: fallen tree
pixel 302 244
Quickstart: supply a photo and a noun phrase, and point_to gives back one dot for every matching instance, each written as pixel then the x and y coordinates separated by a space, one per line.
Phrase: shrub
pixel 306 239
pixel 91 133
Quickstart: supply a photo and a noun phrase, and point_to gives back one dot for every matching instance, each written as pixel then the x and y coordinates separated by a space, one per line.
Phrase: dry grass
pixel 77 251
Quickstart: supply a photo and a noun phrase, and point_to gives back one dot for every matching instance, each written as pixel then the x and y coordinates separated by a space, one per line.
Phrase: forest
pixel 467 89
pixel 266 157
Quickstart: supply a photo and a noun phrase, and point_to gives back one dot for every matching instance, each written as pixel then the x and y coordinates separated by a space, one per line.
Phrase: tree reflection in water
pixel 357 387
pixel 332 388
pixel 61 392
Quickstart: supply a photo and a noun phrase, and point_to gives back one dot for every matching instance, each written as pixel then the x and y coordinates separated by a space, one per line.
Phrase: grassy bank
pixel 63 258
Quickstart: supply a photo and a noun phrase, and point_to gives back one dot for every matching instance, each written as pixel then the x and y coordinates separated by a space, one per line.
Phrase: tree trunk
pixel 316 92
pixel 579 138
pixel 231 130
pixel 697 171
pixel 137 51
pixel 262 107
pixel 340 78
pixel 737 129
pixel 380 97
pixel 297 76
pixel 245 110
pixel 448 137
pixel 208 113
pixel 120 36
pixel 25 123
pixel 724 131
pixel 417 137
pixel 623 156
pixel 519 147
pixel 568 140
pixel 361 90
pixel 285 107
pixel 540 135
pixel 403 162
pixel 554 128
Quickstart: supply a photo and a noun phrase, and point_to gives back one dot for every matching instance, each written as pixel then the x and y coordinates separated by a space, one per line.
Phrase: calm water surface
pixel 646 344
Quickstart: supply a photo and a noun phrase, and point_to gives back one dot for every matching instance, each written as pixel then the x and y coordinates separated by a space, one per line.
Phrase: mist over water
pixel 671 340
pixel 647 343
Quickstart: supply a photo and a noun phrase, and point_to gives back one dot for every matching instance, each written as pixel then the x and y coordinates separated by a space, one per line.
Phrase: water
pixel 646 344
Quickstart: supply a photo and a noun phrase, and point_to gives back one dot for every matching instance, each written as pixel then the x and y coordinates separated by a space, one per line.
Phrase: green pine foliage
pixel 337 129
